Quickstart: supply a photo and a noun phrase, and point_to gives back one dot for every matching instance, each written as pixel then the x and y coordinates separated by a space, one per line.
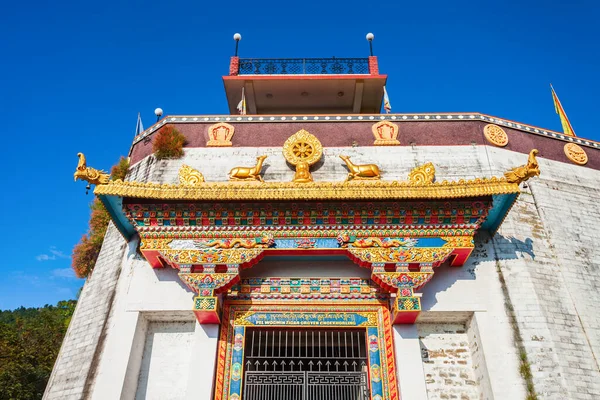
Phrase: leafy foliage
pixel 168 143
pixel 86 251
pixel 119 170
pixel 30 339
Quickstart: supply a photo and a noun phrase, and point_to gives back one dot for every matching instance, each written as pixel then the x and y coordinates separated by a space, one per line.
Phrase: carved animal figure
pixel 365 171
pixel 248 173
pixel 261 241
pixel 91 175
pixel 524 172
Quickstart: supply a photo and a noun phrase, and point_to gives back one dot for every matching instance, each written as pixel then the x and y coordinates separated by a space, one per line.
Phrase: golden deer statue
pixel 365 171
pixel 248 173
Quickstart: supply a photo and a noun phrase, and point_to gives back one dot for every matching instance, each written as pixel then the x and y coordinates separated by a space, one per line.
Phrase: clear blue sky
pixel 74 75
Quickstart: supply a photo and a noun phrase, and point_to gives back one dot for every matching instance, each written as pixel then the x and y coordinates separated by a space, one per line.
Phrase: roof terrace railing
pixel 303 66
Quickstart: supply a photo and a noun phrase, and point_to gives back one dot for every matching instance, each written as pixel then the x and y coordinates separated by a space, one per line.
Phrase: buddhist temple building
pixel 313 247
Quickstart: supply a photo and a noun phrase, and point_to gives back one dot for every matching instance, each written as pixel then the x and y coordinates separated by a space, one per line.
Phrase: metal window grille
pixel 304 364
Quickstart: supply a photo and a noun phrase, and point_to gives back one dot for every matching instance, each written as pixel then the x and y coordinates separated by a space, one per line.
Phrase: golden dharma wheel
pixel 302 147
pixel 495 135
pixel 576 154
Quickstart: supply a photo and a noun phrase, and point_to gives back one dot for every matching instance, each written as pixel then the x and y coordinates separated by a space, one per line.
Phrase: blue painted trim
pixel 501 205
pixel 114 206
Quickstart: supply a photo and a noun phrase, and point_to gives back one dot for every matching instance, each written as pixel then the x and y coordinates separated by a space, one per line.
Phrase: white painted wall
pixel 166 361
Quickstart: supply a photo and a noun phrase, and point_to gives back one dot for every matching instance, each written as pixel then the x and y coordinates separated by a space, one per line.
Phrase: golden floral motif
pixel 248 173
pixel 219 135
pixel 149 243
pixel 214 281
pixel 576 154
pixel 413 280
pixel 91 175
pixel 385 133
pixel 458 241
pixel 260 241
pixel 364 171
pixel 385 242
pixel 524 172
pixel 495 135
pixel 422 175
pixel 211 256
pixel 189 176
pixel 411 254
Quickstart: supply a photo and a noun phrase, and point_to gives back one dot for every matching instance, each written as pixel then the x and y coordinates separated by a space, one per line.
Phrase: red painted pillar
pixel 234 66
pixel 373 66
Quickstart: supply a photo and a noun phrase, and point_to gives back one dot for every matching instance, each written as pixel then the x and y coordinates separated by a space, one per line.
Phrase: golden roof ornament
pixel 524 172
pixel 302 150
pixel 91 175
pixel 189 176
pixel 422 175
pixel 364 171
pixel 248 173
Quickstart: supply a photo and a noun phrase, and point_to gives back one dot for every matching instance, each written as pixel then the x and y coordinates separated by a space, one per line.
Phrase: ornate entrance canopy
pixel 400 230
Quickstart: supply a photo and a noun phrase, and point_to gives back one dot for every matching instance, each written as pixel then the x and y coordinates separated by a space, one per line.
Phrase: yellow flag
pixel 567 128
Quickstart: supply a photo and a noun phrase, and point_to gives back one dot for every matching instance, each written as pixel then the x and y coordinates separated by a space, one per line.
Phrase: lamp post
pixel 158 112
pixel 370 38
pixel 237 37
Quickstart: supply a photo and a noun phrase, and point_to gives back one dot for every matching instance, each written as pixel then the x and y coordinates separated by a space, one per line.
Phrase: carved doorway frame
pixel 374 317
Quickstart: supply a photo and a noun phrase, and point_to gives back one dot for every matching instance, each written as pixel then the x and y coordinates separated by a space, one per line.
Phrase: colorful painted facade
pixel 256 255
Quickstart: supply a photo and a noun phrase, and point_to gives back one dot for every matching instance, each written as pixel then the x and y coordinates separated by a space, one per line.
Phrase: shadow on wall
pixel 511 248
pixel 169 274
pixel 479 266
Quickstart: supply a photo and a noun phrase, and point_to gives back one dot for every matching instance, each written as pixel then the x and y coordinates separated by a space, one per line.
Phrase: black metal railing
pixel 305 364
pixel 303 66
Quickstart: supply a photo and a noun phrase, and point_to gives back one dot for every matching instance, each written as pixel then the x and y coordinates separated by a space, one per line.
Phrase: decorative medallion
pixel 495 135
pixel 576 154
pixel 373 344
pixel 422 175
pixel 236 372
pixel 302 149
pixel 385 133
pixel 375 373
pixel 219 135
pixel 238 343
pixel 189 176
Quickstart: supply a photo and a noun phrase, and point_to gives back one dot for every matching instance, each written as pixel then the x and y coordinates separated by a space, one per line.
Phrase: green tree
pixel 30 339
